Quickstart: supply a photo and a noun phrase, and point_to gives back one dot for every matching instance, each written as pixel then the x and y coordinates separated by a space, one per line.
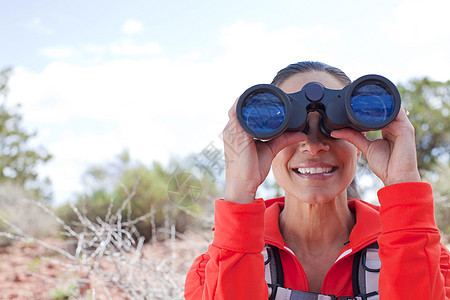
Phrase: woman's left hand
pixel 393 158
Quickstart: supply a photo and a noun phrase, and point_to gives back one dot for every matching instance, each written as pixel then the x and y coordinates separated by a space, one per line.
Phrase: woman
pixel 318 228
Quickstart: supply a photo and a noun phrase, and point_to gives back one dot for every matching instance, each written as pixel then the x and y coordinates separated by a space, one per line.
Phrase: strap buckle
pixel 366 296
pixel 273 287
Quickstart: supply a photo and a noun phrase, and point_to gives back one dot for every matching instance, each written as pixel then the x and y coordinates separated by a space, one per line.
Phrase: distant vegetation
pixel 178 193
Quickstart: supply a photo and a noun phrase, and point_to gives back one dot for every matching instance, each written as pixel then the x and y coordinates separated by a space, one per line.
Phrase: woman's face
pixel 320 168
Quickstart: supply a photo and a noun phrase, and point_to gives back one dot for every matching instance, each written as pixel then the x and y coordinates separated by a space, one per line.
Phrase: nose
pixel 315 141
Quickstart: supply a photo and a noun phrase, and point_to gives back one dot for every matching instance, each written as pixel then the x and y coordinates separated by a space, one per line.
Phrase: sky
pixel 157 78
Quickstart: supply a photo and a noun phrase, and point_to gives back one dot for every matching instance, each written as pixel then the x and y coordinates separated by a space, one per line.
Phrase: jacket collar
pixel 364 233
pixel 368 224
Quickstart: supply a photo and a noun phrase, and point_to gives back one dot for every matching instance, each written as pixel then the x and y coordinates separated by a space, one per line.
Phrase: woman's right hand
pixel 247 160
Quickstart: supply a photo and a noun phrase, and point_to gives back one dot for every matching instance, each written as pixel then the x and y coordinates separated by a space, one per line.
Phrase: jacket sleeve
pixel 233 267
pixel 414 264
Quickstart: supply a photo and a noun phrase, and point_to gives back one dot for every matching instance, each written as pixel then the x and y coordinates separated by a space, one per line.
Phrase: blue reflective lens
pixel 263 112
pixel 372 103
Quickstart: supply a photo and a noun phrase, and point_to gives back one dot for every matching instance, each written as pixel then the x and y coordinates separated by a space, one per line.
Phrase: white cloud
pixel 90 52
pixel 58 52
pixel 155 111
pixel 420 22
pixel 254 53
pixel 92 49
pixel 253 40
pixel 37 25
pixel 129 48
pixel 419 40
pixel 132 27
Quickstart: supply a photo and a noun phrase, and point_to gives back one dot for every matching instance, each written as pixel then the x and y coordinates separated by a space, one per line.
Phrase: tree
pixel 18 160
pixel 442 200
pixel 429 105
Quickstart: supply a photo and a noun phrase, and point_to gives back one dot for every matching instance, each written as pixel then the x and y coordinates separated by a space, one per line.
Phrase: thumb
pixel 284 140
pixel 358 139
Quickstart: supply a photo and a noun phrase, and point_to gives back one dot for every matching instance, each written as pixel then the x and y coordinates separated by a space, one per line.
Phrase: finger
pixel 401 120
pixel 233 134
pixel 400 126
pixel 402 115
pixel 232 111
pixel 358 139
pixel 288 138
pixel 233 131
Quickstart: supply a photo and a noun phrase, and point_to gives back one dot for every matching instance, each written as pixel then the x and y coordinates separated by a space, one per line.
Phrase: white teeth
pixel 314 170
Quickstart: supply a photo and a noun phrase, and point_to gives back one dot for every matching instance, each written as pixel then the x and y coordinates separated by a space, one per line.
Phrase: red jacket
pixel 415 265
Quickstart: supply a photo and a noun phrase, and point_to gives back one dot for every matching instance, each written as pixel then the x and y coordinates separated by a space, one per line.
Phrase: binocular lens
pixel 263 112
pixel 372 103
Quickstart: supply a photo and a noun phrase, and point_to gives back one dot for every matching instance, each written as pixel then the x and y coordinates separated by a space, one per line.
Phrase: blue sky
pixel 158 77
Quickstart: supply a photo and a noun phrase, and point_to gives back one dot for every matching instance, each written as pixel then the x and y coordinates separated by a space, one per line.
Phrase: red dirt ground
pixel 29 271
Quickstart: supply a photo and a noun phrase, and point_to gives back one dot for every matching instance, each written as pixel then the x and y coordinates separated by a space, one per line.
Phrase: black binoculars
pixel 369 103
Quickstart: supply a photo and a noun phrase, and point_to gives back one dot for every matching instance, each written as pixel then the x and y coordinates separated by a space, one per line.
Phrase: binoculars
pixel 369 103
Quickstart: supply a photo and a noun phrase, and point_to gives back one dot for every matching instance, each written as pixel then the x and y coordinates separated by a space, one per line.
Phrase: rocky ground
pixel 30 271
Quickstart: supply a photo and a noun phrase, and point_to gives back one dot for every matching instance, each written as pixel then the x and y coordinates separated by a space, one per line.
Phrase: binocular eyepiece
pixel 369 103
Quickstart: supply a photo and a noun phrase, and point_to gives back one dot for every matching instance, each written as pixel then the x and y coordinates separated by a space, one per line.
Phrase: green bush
pixel 175 193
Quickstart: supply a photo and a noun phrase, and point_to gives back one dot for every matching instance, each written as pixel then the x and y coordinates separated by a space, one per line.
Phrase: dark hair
pixel 310 66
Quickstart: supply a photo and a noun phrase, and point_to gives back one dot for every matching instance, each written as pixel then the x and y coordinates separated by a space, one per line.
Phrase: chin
pixel 314 198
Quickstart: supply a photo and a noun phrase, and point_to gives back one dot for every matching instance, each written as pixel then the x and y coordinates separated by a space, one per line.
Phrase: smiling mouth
pixel 314 170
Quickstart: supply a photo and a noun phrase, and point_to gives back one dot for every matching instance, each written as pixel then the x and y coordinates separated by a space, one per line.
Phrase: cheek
pixel 353 155
pixel 277 164
pixel 349 154
pixel 349 149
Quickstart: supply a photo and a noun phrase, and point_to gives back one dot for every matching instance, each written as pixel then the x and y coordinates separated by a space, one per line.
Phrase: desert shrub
pixel 110 259
pixel 177 194
pixel 17 211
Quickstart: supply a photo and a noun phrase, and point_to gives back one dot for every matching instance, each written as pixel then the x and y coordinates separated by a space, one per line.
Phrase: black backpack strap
pixel 366 271
pixel 273 269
